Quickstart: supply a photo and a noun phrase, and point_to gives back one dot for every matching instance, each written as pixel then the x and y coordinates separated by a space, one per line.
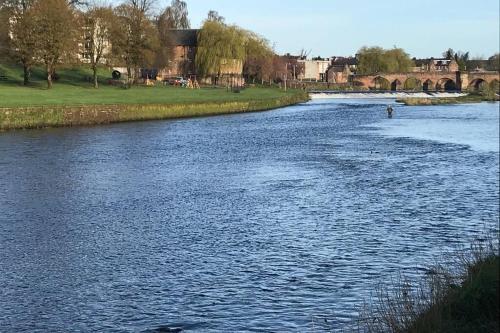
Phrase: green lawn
pixel 73 89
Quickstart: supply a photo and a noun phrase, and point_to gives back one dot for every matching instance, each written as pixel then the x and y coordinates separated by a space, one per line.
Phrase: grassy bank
pixel 468 308
pixel 461 296
pixel 471 98
pixel 73 101
pixel 63 115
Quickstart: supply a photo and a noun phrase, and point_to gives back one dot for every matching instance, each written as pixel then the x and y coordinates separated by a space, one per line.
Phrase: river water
pixel 252 222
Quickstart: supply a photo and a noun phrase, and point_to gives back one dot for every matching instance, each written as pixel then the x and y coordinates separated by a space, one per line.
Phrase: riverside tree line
pixel 131 34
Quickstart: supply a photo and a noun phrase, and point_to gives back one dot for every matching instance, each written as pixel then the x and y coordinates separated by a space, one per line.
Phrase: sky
pixel 424 28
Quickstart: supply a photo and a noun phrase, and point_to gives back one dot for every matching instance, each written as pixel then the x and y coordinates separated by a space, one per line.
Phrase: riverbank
pixel 461 296
pixel 28 117
pixel 469 307
pixel 73 101
pixel 471 98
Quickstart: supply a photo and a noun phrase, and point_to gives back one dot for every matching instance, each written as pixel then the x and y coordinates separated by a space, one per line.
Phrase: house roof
pixel 341 61
pixel 436 61
pixel 185 37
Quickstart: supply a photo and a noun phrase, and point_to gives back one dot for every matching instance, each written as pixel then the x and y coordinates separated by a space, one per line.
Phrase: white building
pixel 315 69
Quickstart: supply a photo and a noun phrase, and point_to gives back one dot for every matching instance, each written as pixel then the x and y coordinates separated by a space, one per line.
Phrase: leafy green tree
pixel 371 60
pixel 219 44
pixel 18 34
pixel 398 61
pixel 378 60
pixel 56 31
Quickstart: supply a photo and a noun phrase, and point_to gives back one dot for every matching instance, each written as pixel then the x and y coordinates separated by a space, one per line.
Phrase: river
pixel 251 222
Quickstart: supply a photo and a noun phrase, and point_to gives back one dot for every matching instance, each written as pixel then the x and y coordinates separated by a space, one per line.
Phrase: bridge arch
pixel 477 84
pixel 446 84
pixel 428 85
pixel 381 83
pixel 412 83
pixel 396 85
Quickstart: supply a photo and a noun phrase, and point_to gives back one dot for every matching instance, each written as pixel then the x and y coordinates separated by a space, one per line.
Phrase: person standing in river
pixel 389 111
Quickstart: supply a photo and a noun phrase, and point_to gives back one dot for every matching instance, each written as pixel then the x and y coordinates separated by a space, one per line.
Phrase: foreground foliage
pixel 458 295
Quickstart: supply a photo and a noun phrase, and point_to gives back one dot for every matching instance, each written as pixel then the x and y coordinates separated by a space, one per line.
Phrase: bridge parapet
pixel 426 80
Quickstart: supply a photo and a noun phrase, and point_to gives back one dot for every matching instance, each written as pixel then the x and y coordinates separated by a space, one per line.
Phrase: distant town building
pixel 435 65
pixel 315 69
pixel 340 69
pixel 184 43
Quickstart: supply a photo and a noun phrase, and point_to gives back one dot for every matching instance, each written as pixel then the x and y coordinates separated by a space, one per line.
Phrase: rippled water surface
pixel 252 222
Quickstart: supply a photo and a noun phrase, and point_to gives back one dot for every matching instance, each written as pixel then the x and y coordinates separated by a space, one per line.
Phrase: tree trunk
pixel 96 84
pixel 129 76
pixel 26 74
pixel 49 77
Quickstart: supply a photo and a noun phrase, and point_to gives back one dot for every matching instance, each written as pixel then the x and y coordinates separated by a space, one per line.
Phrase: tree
pixel 214 16
pixel 258 53
pixel 175 16
pixel 398 61
pixel 143 6
pixel 377 60
pixel 494 62
pixel 134 39
pixel 56 31
pixel 18 34
pixel 217 44
pixel 371 60
pixel 462 58
pixel 98 27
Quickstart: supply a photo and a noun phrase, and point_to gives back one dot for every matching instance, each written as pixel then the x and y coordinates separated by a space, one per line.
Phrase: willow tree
pixel 228 46
pixel 219 45
pixel 378 60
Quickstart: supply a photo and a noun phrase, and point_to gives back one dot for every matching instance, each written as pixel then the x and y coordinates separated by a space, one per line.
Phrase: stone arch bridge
pixel 427 81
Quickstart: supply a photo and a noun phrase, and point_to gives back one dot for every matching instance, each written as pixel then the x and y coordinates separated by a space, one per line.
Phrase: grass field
pixel 73 101
pixel 73 89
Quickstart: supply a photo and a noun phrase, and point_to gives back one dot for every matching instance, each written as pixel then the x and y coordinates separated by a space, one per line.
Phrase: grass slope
pixel 73 101
pixel 73 89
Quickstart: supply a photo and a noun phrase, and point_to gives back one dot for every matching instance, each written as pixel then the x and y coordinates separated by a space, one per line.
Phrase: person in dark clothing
pixel 389 111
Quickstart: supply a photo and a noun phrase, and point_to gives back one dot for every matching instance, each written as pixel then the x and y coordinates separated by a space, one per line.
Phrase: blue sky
pixel 423 28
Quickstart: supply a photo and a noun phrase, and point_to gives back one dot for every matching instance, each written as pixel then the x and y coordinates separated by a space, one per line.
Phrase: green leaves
pixel 224 46
pixel 378 60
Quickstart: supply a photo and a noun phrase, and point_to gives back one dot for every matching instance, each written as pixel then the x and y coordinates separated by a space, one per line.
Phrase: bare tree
pixel 144 6
pixel 213 15
pixel 175 16
pixel 135 39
